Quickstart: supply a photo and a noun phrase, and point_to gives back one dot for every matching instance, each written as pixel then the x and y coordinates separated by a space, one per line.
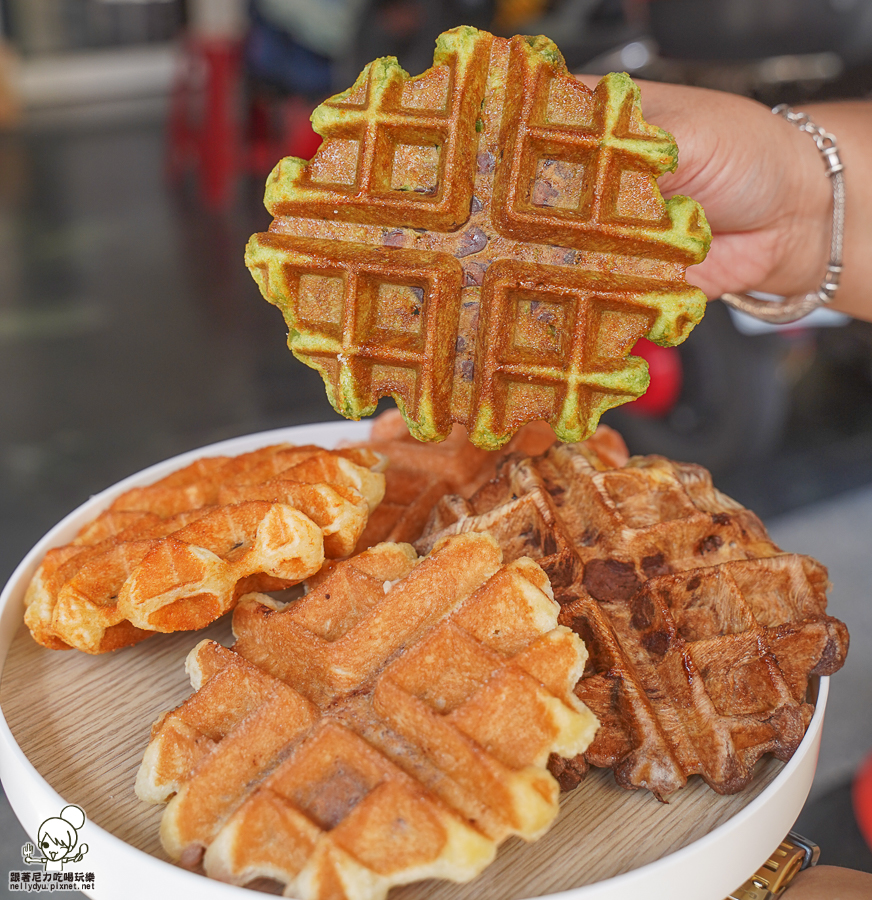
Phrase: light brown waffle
pixel 419 475
pixel 484 242
pixel 213 480
pixel 176 554
pixel 702 634
pixel 393 725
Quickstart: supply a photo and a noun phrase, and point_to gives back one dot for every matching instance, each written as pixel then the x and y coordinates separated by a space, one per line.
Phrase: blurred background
pixel 135 137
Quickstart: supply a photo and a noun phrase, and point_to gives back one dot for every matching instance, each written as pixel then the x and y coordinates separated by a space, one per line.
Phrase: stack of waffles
pixel 418 705
pixel 175 555
pixel 395 724
pixel 484 242
pixel 702 633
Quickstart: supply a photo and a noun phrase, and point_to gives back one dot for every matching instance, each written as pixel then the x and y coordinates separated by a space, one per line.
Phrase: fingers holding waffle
pixel 485 243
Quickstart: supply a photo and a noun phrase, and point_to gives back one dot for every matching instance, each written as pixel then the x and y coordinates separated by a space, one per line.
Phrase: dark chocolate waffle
pixel 702 633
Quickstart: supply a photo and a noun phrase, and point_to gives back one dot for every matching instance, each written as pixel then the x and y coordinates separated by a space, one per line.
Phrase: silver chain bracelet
pixel 789 309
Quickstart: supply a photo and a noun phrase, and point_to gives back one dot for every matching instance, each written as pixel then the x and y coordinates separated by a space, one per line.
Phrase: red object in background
pixel 210 131
pixel 267 143
pixel 206 138
pixel 665 369
pixel 861 795
pixel 300 139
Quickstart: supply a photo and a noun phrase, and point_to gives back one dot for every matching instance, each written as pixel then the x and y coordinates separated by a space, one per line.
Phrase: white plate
pixel 630 826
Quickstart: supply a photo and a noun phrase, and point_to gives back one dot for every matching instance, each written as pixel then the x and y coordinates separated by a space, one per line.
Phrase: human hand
pixel 830 883
pixel 760 181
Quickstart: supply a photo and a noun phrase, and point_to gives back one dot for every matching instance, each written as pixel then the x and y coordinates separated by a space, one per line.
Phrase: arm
pixel 830 883
pixel 851 124
pixel 763 187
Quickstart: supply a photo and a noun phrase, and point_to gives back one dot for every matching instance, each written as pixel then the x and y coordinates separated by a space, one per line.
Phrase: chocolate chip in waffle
pixel 702 634
pixel 484 242
pixel 393 725
pixel 176 554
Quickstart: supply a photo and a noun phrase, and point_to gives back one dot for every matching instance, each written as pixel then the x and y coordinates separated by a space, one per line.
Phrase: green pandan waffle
pixel 484 242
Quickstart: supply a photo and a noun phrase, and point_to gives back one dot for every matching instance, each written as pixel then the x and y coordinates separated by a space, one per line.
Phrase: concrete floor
pixel 130 331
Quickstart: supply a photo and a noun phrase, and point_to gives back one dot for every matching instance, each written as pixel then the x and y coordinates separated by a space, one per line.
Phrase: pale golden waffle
pixel 213 480
pixel 177 554
pixel 393 725
pixel 419 474
pixel 702 634
pixel 485 242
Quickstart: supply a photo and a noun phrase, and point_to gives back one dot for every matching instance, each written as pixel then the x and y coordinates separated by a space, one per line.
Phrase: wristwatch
pixel 792 855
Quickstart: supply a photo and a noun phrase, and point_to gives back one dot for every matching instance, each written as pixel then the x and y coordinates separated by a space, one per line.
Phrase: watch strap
pixel 790 857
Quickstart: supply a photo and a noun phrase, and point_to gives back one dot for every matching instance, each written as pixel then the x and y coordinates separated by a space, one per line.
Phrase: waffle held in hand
pixel 702 634
pixel 484 242
pixel 175 555
pixel 392 725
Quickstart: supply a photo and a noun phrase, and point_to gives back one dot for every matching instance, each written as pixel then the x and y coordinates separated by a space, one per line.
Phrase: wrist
pixel 804 226
pixel 806 250
pixel 851 122
pixel 826 882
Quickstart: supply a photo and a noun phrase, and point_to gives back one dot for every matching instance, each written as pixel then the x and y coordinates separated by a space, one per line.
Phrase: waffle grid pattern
pixel 385 739
pixel 504 186
pixel 702 633
pixel 176 554
pixel 395 146
pixel 582 170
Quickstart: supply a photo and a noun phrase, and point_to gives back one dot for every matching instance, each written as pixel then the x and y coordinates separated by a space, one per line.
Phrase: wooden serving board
pixel 83 721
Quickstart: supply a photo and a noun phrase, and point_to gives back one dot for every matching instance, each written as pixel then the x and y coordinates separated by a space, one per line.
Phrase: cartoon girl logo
pixel 57 839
